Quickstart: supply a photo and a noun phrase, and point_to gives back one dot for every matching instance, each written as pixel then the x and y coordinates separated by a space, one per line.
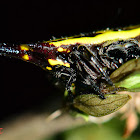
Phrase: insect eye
pixel 81 48
pixel 84 52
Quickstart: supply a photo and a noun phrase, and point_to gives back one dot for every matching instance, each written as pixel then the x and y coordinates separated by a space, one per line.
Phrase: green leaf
pixel 93 105
pixel 79 114
pixel 131 82
pixel 127 68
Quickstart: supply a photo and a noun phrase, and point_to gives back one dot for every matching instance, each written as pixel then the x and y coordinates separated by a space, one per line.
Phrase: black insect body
pixel 86 62
pixel 94 66
pixel 88 69
pixel 123 51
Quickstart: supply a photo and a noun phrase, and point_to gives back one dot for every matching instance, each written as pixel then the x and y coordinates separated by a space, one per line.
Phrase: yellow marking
pixel 67 65
pixel 60 49
pixel 25 57
pixel 48 68
pixel 107 35
pixel 57 62
pixel 24 47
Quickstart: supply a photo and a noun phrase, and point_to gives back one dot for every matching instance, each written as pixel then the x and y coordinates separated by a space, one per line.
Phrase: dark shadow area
pixel 26 88
pixel 36 21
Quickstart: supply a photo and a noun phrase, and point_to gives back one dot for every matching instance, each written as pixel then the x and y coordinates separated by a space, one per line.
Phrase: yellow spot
pixel 68 51
pixel 60 49
pixel 67 65
pixel 105 36
pixel 57 62
pixel 25 57
pixel 48 68
pixel 24 47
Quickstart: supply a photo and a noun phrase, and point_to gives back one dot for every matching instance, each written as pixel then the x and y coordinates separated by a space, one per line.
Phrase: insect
pixel 86 61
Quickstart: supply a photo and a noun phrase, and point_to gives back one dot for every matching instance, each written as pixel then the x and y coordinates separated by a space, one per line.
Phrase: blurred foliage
pixel 112 130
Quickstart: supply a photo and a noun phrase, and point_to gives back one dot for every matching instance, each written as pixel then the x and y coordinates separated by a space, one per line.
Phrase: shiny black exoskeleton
pixel 91 66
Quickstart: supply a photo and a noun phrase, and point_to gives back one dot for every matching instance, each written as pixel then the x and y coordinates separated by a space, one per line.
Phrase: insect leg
pixel 96 63
pixel 68 72
pixel 91 75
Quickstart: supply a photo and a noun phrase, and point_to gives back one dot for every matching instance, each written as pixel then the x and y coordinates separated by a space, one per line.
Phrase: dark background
pixel 26 87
